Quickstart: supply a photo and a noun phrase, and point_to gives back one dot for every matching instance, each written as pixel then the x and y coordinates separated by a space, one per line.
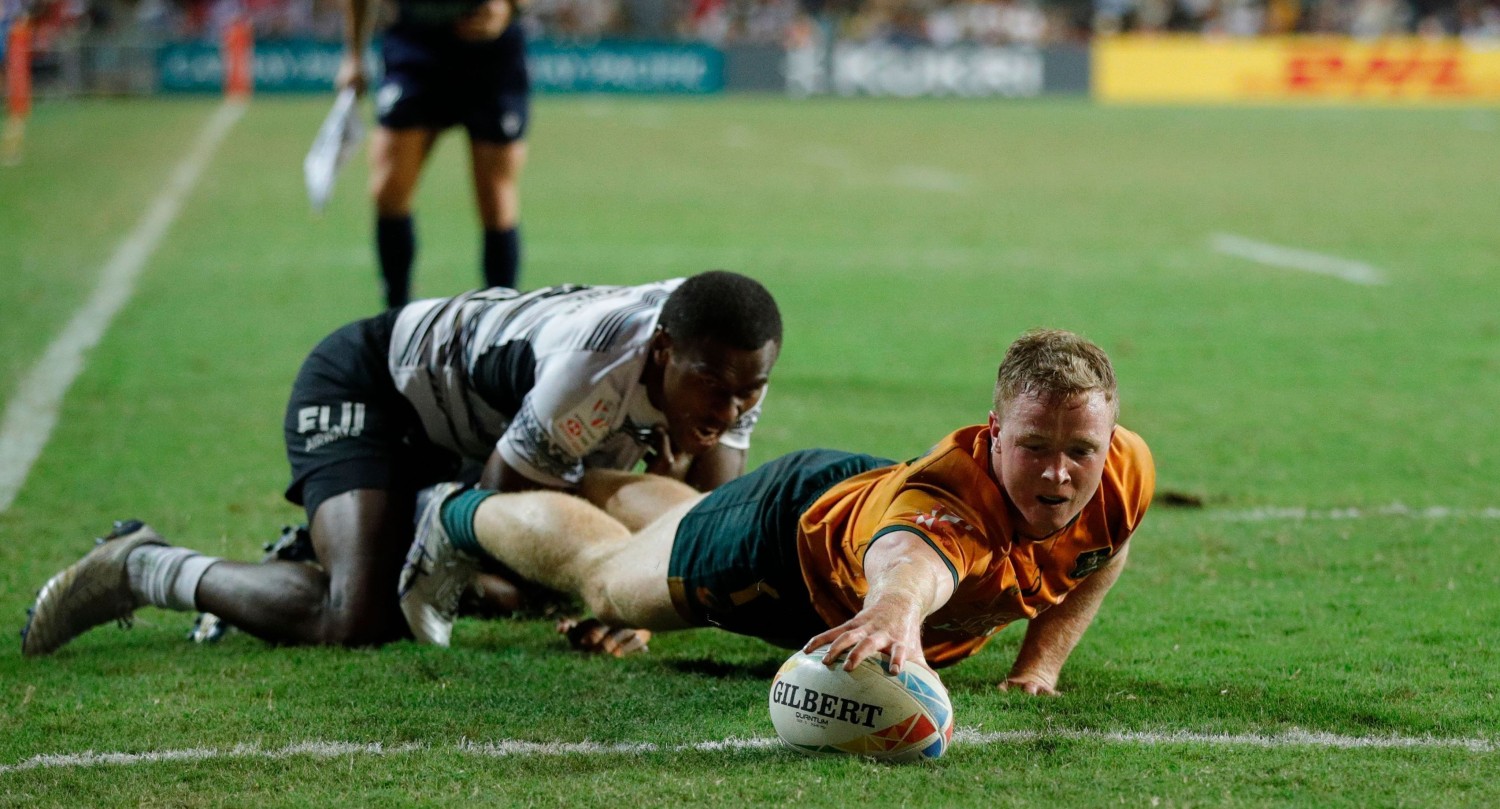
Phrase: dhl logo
pixel 1378 73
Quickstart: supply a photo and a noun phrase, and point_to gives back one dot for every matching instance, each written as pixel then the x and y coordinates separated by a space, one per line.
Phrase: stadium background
pixel 1014 48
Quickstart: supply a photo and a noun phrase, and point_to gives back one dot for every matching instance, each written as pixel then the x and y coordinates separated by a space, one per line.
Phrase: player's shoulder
pixel 1128 447
pixel 1130 468
pixel 953 468
pixel 602 320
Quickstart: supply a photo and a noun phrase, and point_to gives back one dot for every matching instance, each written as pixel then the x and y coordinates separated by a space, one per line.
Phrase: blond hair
pixel 1054 365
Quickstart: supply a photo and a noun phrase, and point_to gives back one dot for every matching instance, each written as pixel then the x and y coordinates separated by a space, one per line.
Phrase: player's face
pixel 1048 457
pixel 707 386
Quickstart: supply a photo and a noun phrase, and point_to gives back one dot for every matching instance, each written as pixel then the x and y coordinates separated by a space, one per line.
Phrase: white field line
pixel 31 415
pixel 739 136
pixel 929 178
pixel 916 178
pixel 508 748
pixel 1394 510
pixel 1292 258
pixel 668 256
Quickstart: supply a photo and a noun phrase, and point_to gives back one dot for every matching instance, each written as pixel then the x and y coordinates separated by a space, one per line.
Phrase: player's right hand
pixel 352 74
pixel 885 628
pixel 662 459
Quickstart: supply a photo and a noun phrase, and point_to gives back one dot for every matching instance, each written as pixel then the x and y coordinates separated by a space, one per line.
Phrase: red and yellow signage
pixel 1195 69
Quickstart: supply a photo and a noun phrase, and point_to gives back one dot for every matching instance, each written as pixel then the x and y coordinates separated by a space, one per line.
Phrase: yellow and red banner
pixel 1195 69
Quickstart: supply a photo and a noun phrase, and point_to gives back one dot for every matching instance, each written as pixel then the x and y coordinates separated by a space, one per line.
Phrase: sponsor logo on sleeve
pixel 583 428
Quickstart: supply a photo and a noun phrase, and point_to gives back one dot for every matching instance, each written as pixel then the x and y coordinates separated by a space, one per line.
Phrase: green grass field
pixel 1325 631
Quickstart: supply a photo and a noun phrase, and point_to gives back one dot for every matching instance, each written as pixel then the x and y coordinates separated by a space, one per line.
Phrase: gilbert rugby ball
pixel 866 712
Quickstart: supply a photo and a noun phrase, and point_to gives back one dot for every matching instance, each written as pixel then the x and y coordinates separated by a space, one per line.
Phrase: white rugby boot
pixel 436 573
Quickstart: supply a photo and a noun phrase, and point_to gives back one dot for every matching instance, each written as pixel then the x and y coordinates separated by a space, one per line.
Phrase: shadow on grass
pixel 719 670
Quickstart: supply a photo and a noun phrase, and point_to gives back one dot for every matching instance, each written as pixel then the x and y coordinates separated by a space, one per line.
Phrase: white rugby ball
pixel 866 712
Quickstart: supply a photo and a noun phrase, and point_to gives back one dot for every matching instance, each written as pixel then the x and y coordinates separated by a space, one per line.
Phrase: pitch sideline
pixel 1393 510
pixel 31 415
pixel 504 748
pixel 1293 258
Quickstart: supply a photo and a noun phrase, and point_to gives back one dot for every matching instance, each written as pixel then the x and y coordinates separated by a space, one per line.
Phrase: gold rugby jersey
pixel 949 497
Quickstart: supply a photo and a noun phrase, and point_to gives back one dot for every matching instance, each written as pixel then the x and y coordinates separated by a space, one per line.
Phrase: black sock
pixel 396 245
pixel 502 257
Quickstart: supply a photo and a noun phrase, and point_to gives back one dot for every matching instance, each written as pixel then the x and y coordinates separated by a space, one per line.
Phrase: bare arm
pixel 502 477
pixel 704 472
pixel 715 467
pixel 357 23
pixel 490 20
pixel 908 582
pixel 1051 636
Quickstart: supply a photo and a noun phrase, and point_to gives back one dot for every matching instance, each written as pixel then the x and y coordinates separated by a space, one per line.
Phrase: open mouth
pixel 1051 500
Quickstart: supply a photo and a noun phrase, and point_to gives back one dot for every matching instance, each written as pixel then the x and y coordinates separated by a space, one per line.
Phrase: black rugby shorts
pixel 348 428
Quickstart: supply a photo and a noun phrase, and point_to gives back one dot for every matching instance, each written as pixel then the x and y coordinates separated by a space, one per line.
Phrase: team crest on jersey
pixel 1088 562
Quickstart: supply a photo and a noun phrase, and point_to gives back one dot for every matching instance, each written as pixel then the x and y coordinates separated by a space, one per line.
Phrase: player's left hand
pixel 1030 686
pixel 592 635
pixel 487 22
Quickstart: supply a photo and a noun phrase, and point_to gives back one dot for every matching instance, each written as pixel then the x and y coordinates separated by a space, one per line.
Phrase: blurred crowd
pixel 793 23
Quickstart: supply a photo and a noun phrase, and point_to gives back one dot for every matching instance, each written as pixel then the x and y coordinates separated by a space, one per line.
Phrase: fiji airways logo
pixel 319 421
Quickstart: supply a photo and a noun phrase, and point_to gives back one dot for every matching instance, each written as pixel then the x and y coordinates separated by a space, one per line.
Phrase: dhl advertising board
pixel 1168 69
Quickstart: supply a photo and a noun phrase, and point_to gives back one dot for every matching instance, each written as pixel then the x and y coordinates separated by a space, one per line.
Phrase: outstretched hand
pixel 881 628
pixel 908 581
pixel 593 636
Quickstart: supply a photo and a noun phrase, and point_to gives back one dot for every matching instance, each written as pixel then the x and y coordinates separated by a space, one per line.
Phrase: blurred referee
pixel 447 62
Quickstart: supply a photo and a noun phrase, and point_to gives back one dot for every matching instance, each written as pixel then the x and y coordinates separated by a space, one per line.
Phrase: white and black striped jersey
pixel 551 379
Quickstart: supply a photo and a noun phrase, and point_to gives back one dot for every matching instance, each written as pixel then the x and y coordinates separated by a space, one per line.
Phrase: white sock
pixel 165 576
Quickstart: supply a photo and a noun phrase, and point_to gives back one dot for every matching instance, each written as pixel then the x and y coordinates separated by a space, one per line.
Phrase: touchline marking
pixel 507 748
pixel 929 178
pixel 1298 514
pixel 1275 255
pixel 31 415
pixel 1294 737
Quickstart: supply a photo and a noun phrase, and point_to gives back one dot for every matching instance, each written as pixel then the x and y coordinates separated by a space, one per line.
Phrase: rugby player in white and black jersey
pixel 538 387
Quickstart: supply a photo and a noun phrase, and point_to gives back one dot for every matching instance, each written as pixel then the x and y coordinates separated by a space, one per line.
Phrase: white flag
pixel 337 138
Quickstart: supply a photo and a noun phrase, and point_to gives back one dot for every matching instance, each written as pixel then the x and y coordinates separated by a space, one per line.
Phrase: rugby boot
pixel 92 591
pixel 436 574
